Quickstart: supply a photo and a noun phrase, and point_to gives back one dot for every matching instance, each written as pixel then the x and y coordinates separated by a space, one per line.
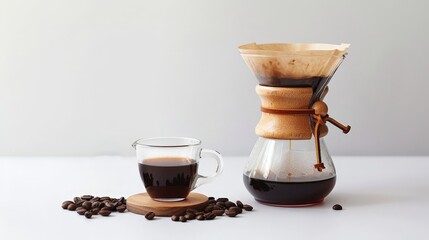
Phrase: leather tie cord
pixel 319 119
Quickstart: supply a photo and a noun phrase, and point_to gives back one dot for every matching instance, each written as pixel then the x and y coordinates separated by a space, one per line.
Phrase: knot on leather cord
pixel 319 116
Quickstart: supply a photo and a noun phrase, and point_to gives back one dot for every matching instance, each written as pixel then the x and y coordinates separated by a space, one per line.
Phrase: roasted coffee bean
pixel 87 205
pixel 76 199
pixel 115 204
pixel 81 210
pixel 88 214
pixel 211 198
pixel 239 204
pixel 122 200
pixel 201 217
pixel 79 203
pixel 149 215
pixel 199 213
pixel 86 197
pixel 182 219
pixel 95 205
pixel 108 205
pixel 190 216
pixel 247 207
pixel 210 216
pixel 95 211
pixel 175 218
pixel 66 204
pixel 218 207
pixel 208 209
pixel 229 204
pixel 231 213
pixel 104 199
pixel 337 207
pixel 236 209
pixel 212 201
pixel 121 208
pixel 104 212
pixel 222 199
pixel 96 199
pixel 72 207
pixel 191 210
pixel 221 204
pixel 218 212
pixel 101 205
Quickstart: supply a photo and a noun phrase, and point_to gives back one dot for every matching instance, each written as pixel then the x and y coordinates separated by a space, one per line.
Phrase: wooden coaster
pixel 141 204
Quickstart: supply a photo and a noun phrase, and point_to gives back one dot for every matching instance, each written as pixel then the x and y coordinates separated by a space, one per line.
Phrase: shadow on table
pixel 356 199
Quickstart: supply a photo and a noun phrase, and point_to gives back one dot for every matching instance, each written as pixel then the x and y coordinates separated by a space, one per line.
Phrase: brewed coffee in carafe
pixel 290 164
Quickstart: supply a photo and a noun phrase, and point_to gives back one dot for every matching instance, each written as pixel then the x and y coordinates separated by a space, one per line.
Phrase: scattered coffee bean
pixel 72 207
pixel 108 205
pixel 95 211
pixel 229 204
pixel 115 204
pixel 87 205
pixel 212 209
pixel 104 199
pixel 104 212
pixel 337 207
pixel 247 207
pixel 231 213
pixel 81 210
pixel 95 205
pixel 191 210
pixel 218 212
pixel 86 197
pixel 218 207
pixel 210 216
pixel 79 203
pixel 236 209
pixel 209 208
pixel 121 208
pixel 190 216
pixel 66 204
pixel 149 215
pixel 88 214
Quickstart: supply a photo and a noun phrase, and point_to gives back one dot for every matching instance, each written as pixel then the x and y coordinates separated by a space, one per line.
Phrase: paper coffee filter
pixel 293 60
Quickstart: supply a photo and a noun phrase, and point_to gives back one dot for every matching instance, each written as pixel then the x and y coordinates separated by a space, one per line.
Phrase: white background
pixel 90 77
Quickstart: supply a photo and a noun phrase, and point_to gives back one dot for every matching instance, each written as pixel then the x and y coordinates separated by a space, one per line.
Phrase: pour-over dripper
pixel 294 65
pixel 293 80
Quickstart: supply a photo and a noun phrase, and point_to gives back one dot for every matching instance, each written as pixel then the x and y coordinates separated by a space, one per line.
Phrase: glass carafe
pixel 281 172
pixel 290 164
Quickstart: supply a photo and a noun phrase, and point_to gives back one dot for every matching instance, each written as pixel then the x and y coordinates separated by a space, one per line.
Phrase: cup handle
pixel 206 179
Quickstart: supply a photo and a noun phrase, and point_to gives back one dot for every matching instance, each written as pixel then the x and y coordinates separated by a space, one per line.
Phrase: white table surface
pixel 383 198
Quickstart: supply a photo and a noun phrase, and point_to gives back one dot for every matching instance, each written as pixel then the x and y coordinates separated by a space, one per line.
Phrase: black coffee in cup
pixel 168 177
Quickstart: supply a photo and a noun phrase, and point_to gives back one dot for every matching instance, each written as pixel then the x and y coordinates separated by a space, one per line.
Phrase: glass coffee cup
pixel 168 166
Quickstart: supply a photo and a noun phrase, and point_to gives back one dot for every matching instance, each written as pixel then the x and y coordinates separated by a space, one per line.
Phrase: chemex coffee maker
pixel 290 164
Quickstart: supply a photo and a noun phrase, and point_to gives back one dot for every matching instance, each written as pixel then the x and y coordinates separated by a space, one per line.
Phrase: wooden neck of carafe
pixel 285 113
